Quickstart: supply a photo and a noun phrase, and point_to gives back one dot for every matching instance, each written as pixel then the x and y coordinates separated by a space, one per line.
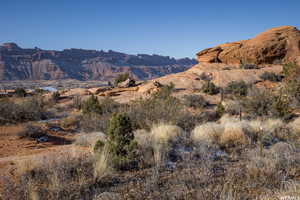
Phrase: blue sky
pixel 178 28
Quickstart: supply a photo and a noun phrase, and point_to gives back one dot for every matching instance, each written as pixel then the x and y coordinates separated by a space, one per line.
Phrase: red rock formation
pixel 281 44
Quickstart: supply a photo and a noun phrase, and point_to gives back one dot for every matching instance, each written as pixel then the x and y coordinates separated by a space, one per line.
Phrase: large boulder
pixel 281 44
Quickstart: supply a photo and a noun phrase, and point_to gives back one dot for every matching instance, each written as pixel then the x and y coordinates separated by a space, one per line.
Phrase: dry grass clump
pixel 209 132
pixel 143 137
pixel 156 144
pixel 230 132
pixel 67 175
pixel 90 139
pixel 234 134
pixel 270 167
pixel 165 133
pixel 164 136
pixel 102 163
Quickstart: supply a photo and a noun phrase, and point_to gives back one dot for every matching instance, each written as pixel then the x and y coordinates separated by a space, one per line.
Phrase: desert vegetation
pixel 164 147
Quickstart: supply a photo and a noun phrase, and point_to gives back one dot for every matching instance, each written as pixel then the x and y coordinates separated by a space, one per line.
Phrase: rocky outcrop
pixel 277 45
pixel 127 83
pixel 17 63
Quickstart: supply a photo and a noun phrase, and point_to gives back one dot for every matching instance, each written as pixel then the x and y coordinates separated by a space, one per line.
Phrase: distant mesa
pixel 10 46
pixel 18 63
pixel 276 45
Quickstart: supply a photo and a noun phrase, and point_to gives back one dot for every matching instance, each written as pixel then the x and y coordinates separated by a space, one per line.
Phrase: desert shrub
pixel 165 91
pixel 121 142
pixel 291 71
pixel 77 102
pixel 55 96
pixel 70 122
pixel 120 78
pixel 20 92
pixel 292 91
pixel 232 107
pixel 210 88
pixel 248 66
pixel 263 103
pixel 108 105
pixel 195 101
pixel 160 107
pixel 53 177
pixel 187 121
pixel 102 107
pixel 91 105
pixel 271 76
pixel 220 110
pixel 29 109
pixel 39 91
pixel 237 88
pixel 94 122
pixel 32 131
pixel 89 139
pixel 269 167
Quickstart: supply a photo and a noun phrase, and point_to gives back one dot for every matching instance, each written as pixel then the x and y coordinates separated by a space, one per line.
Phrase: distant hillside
pixel 36 64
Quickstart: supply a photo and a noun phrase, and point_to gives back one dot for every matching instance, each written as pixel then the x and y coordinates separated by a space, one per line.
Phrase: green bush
pixel 270 76
pixel 195 101
pixel 120 78
pixel 210 88
pixel 263 103
pixel 165 91
pixel 91 105
pixel 220 110
pixel 291 70
pixel 28 110
pixel 20 92
pixel 237 88
pixel 121 142
pixel 160 107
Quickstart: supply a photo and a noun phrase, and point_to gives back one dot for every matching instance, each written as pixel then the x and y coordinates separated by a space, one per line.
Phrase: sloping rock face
pixel 17 63
pixel 281 44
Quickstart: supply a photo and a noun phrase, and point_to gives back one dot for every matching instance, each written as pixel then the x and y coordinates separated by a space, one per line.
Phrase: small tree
pixel 237 88
pixel 121 142
pixel 20 92
pixel 121 77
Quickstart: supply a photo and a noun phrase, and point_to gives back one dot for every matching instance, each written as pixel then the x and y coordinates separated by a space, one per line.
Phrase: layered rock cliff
pixel 17 63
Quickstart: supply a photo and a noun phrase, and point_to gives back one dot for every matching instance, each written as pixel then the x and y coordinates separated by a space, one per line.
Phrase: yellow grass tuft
pixel 164 133
pixel 209 132
pixel 233 134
